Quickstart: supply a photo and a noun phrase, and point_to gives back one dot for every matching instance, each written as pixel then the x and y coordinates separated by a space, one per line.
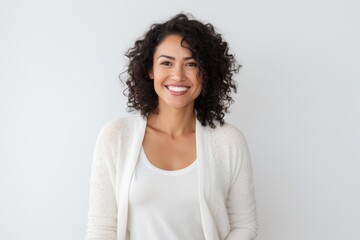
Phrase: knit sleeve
pixel 241 198
pixel 102 215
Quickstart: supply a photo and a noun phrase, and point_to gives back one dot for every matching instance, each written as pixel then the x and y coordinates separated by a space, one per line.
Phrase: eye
pixel 192 64
pixel 165 63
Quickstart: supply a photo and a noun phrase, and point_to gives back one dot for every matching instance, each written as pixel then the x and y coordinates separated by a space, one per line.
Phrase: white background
pixel 298 104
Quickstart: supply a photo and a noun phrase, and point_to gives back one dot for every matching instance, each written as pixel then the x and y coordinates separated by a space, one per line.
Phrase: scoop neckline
pixel 181 171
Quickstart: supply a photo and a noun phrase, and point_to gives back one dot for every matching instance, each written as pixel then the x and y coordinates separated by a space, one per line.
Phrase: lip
pixel 180 89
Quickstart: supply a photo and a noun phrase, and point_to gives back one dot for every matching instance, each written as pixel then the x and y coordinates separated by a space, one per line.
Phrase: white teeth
pixel 177 88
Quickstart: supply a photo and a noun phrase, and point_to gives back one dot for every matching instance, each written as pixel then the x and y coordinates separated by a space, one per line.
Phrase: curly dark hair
pixel 216 68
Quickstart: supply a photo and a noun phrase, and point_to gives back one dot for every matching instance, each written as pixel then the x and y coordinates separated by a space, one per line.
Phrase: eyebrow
pixel 173 58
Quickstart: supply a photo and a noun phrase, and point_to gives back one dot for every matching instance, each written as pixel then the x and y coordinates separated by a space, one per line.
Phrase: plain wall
pixel 298 104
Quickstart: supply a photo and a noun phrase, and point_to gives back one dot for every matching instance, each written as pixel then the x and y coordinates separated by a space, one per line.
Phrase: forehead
pixel 172 44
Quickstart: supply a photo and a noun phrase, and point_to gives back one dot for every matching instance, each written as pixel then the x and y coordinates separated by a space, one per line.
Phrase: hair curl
pixel 216 68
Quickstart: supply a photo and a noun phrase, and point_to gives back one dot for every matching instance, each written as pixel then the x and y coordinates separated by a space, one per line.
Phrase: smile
pixel 177 89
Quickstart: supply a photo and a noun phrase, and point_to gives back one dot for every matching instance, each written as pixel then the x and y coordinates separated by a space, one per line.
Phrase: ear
pixel 151 74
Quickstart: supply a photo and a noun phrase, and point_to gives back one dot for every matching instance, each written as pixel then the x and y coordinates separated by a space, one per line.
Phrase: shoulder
pixel 227 134
pixel 120 128
pixel 229 149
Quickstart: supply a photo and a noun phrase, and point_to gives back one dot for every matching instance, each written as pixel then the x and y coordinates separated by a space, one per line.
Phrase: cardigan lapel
pixel 205 161
pixel 134 142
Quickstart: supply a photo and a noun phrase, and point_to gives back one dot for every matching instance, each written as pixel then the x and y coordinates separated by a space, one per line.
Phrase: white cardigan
pixel 227 201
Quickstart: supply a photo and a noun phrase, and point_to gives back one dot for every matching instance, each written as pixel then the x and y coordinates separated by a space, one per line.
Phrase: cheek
pixel 159 75
pixel 199 82
pixel 198 88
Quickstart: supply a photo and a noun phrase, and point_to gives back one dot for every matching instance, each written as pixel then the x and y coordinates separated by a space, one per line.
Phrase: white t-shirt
pixel 164 204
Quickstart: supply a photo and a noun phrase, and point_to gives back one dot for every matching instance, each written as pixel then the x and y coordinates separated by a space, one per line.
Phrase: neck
pixel 174 122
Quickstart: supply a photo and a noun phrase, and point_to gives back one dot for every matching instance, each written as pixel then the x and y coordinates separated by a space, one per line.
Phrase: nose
pixel 178 73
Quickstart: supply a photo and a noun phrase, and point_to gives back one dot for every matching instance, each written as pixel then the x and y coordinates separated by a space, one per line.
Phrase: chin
pixel 179 105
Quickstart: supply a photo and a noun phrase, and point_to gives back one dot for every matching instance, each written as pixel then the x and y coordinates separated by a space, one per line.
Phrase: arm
pixel 102 215
pixel 241 198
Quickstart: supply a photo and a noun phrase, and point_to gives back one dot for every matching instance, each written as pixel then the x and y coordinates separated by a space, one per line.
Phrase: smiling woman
pixel 178 171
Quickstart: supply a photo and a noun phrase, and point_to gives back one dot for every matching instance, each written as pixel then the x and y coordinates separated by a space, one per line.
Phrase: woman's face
pixel 175 73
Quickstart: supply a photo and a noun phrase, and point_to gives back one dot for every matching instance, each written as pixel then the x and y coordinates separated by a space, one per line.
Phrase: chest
pixel 169 153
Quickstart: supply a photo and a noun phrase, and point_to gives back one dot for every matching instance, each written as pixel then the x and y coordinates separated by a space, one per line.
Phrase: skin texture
pixel 169 141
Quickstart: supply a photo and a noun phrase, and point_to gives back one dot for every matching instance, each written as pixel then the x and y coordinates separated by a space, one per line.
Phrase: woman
pixel 178 171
